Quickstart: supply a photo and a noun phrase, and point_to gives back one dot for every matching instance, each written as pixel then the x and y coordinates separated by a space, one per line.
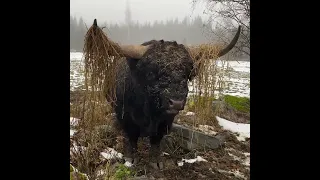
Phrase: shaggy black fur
pixel 144 87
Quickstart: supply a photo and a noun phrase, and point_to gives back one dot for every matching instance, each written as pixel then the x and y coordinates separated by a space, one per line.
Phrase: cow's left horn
pixel 196 50
pixel 231 44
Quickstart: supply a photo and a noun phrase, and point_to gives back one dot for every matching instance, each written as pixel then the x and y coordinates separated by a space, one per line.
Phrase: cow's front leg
pixel 131 153
pixel 155 159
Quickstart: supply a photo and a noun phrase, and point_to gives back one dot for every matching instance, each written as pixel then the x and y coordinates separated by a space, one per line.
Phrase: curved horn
pixel 207 49
pixel 231 45
pixel 134 51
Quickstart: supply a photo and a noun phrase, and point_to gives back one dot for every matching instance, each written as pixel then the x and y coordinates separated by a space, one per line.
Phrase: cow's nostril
pixel 177 105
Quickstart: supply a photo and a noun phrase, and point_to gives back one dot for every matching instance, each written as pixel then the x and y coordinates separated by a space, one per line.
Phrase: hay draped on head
pixel 204 57
pixel 101 56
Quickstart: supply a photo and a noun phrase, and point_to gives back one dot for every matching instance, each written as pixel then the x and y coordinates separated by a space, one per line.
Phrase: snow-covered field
pixel 237 80
pixel 76 70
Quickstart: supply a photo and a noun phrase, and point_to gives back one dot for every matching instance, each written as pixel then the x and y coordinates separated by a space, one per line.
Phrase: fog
pixel 138 21
pixel 141 10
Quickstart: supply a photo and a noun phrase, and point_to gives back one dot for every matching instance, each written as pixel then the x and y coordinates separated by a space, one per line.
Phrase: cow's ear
pixel 132 63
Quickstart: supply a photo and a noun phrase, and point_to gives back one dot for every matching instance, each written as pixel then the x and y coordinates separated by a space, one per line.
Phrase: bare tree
pixel 226 15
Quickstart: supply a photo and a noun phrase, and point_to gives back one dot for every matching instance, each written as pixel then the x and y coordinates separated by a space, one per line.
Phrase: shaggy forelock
pixel 165 68
pixel 166 56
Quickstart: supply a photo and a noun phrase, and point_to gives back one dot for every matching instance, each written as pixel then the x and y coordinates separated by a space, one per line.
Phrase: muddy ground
pixel 222 163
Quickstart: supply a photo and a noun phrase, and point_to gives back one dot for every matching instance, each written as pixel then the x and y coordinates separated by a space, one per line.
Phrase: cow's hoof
pixel 158 165
pixel 132 161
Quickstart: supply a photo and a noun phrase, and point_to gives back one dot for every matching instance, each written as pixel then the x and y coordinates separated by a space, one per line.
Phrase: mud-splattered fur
pixel 143 87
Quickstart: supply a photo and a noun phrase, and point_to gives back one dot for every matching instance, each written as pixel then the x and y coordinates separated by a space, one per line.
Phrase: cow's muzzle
pixel 175 106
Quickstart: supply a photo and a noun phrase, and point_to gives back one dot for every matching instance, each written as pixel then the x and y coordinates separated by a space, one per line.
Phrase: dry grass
pixel 87 144
pixel 207 81
pixel 90 105
pixel 101 56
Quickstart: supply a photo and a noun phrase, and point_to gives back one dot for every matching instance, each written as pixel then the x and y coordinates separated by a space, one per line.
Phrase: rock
pixel 192 139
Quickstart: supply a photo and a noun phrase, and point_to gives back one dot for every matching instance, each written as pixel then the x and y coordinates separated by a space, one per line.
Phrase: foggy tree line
pixel 185 32
pixel 77 33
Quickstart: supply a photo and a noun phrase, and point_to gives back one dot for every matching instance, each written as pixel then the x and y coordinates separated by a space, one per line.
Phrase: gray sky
pixel 141 10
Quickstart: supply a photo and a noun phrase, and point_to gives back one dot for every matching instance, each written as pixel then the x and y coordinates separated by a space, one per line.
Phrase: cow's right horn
pixel 133 51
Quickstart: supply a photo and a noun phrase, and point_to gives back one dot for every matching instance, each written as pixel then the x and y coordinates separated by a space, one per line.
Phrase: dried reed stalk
pixel 100 57
pixel 205 83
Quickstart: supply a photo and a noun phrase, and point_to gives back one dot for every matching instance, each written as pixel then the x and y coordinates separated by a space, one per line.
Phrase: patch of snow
pixel 207 129
pixel 240 66
pixel 198 159
pixel 72 132
pixel 230 149
pixel 74 121
pixel 128 164
pixel 190 113
pixel 110 153
pixel 241 137
pixel 190 160
pixel 180 163
pixel 76 55
pixel 242 69
pixel 77 148
pixel 246 162
pixel 242 129
pixel 238 80
pixel 164 153
pixel 100 172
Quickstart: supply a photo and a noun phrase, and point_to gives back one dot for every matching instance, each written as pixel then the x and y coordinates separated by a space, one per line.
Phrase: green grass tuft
pixel 239 103
pixel 123 172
